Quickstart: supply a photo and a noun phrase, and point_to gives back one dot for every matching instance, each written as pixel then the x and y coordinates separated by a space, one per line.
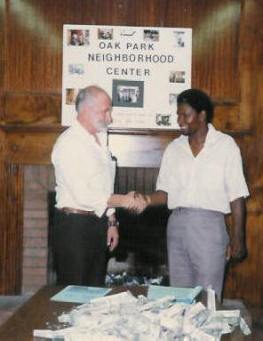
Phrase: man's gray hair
pixel 86 95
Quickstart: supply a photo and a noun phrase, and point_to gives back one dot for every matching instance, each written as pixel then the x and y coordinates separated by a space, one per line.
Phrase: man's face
pixel 188 119
pixel 99 113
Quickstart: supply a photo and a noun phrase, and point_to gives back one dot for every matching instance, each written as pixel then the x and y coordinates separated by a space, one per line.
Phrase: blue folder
pixel 184 295
pixel 79 294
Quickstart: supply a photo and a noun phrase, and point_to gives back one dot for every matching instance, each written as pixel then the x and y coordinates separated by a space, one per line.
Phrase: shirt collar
pixel 210 138
pixel 212 135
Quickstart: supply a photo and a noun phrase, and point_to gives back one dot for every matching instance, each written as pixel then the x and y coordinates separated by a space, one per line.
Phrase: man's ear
pixel 202 116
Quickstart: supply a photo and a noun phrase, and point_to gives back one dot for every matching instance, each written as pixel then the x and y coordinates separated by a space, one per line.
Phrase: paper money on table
pixel 125 317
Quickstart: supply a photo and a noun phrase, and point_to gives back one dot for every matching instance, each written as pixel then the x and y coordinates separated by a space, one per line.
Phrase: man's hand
pixel 133 201
pixel 238 249
pixel 140 203
pixel 112 237
pixel 136 202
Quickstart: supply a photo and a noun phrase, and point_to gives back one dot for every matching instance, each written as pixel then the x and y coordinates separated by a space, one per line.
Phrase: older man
pixel 85 172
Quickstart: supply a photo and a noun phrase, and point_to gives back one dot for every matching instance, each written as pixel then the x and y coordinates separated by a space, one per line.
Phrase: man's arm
pixel 157 198
pixel 137 202
pixel 112 233
pixel 238 242
pixel 141 201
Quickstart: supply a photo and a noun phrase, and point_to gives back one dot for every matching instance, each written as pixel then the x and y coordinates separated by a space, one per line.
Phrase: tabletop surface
pixel 41 313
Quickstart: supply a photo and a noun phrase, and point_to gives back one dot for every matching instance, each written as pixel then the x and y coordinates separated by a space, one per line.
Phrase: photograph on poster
pixel 76 69
pixel 78 37
pixel 71 95
pixel 172 99
pixel 128 32
pixel 177 77
pixel 105 33
pixel 150 35
pixel 179 38
pixel 163 120
pixel 127 93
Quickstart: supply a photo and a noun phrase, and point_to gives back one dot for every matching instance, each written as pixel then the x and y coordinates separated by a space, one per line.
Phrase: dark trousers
pixel 79 249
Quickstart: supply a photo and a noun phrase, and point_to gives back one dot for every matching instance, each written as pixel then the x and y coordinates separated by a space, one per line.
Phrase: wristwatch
pixel 113 223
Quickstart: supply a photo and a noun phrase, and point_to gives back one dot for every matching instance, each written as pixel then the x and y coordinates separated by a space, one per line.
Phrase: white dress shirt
pixel 84 171
pixel 211 180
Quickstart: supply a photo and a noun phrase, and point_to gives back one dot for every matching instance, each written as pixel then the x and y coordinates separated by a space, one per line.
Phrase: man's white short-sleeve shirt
pixel 84 171
pixel 211 180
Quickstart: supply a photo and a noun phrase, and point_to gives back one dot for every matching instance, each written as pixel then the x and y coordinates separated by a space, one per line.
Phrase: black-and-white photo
pixel 105 33
pixel 177 77
pixel 76 69
pixel 172 99
pixel 179 38
pixel 78 37
pixel 127 93
pixel 151 35
pixel 163 120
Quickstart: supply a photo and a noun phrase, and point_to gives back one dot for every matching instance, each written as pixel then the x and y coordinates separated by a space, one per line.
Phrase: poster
pixel 142 68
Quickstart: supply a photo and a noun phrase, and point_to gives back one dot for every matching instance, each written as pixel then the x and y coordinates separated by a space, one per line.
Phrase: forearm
pixel 238 242
pixel 238 210
pixel 157 198
pixel 136 201
pixel 119 200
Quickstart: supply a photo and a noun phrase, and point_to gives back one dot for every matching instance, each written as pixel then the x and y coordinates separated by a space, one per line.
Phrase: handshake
pixel 133 201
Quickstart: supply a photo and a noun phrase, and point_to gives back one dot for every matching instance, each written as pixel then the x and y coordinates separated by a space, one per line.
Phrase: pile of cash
pixel 124 317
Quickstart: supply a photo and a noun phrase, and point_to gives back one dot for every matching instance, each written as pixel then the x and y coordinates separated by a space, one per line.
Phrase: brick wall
pixel 39 180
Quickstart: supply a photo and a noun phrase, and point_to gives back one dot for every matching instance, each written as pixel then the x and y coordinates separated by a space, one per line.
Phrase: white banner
pixel 142 68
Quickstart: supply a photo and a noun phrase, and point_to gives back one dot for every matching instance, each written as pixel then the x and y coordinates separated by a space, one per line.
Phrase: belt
pixel 69 210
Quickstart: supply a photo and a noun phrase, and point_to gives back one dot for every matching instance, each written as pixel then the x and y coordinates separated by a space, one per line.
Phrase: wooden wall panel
pixel 11 237
pixel 34 41
pixel 215 40
pixel 250 60
pixel 215 43
pixel 12 274
pixel 2 56
pixel 32 108
pixel 30 147
pixel 227 63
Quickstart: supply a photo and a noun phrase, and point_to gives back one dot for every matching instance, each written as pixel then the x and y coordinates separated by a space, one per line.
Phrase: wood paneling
pixel 28 108
pixel 14 221
pixel 38 41
pixel 227 63
pixel 30 148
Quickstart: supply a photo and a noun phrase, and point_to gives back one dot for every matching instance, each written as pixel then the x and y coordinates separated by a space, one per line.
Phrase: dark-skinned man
pixel 201 179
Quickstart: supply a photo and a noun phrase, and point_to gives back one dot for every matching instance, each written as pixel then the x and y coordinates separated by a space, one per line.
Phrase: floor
pixel 9 304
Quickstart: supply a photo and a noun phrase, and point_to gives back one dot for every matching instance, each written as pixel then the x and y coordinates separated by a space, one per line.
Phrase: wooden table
pixel 41 313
